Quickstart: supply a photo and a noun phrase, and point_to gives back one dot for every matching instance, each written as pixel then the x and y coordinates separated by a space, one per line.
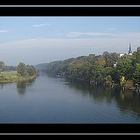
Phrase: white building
pixel 115 64
pixel 129 51
pixel 121 54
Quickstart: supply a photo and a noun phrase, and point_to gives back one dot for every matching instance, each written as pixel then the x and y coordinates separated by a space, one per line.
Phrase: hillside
pixel 41 66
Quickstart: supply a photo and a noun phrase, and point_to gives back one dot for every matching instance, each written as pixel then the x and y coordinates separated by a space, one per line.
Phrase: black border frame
pixel 70 11
pixel 69 128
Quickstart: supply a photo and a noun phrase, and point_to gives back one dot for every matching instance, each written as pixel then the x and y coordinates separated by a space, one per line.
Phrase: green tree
pixel 115 76
pixel 125 66
pixel 110 58
pixel 21 69
pixel 101 61
pixel 108 80
pixel 100 69
pixel 122 82
pixel 138 55
pixel 30 70
pixel 114 58
pixel 2 66
pixel 137 73
pixel 107 59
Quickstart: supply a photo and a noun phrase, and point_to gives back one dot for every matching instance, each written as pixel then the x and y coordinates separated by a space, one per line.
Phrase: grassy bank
pixel 12 76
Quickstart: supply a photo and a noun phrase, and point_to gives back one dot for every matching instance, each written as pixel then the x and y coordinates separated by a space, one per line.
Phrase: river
pixel 55 100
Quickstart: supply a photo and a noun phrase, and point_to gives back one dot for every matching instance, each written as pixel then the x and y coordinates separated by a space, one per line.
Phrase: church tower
pixel 130 50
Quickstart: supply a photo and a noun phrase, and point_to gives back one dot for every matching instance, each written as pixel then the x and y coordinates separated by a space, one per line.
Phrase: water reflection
pixel 1 86
pixel 114 104
pixel 21 88
pixel 127 101
pixel 23 85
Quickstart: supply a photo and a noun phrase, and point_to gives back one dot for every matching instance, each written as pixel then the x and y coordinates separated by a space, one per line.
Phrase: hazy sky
pixel 35 40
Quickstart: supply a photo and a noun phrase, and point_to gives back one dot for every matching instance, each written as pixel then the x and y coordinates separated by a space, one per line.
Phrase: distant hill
pixel 41 66
pixel 46 66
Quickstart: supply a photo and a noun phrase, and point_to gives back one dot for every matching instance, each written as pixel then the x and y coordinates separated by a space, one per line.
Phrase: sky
pixel 35 40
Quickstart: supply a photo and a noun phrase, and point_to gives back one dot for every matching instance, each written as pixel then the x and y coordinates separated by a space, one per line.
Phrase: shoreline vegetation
pixel 22 73
pixel 112 70
pixel 12 76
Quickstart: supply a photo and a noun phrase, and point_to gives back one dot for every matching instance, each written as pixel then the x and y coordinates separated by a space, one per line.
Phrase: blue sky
pixel 36 40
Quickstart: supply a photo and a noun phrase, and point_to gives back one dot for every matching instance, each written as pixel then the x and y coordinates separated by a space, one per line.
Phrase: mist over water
pixel 41 54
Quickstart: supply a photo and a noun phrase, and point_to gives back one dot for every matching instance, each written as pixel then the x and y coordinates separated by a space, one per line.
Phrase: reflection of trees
pixel 1 86
pixel 127 101
pixel 22 86
pixel 98 94
pixel 29 83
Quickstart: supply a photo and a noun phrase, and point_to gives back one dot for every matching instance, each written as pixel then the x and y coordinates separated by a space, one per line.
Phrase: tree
pixel 30 70
pixel 122 82
pixel 110 58
pixel 107 58
pixel 114 58
pixel 108 80
pixel 115 76
pixel 100 69
pixel 21 69
pixel 101 61
pixel 125 66
pixel 138 55
pixel 137 73
pixel 2 66
pixel 91 58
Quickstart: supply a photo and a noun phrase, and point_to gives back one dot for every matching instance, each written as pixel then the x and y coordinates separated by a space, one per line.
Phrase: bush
pixel 129 84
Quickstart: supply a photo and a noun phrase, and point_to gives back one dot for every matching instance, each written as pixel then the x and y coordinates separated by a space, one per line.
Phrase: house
pixel 121 54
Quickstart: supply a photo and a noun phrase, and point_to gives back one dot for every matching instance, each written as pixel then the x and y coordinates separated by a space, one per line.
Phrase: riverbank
pixel 129 85
pixel 12 76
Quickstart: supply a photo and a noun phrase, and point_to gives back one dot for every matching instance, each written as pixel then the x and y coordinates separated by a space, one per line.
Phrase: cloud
pixel 104 35
pixel 3 31
pixel 40 25
pixel 87 34
pixel 46 50
pixel 50 49
pixel 119 42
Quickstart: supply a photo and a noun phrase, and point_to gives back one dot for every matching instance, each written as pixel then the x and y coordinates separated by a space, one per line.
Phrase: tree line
pixel 22 69
pixel 26 70
pixel 108 69
pixel 3 67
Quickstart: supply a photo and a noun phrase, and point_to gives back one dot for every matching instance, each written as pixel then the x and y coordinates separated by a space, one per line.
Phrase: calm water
pixel 55 100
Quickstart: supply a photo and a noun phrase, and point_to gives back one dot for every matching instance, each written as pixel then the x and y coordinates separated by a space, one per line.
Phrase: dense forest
pixel 108 69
